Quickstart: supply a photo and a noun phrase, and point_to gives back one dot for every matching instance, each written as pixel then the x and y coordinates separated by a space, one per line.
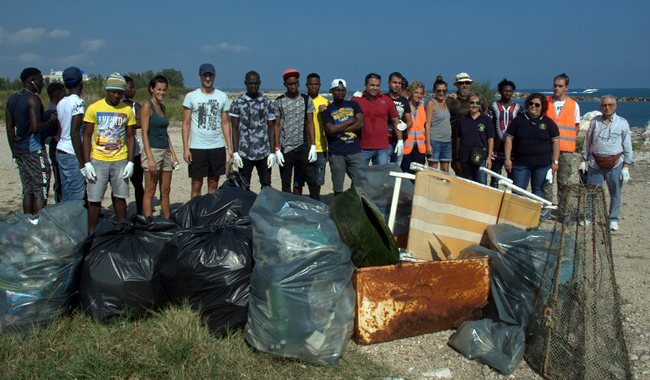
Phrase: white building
pixel 57 76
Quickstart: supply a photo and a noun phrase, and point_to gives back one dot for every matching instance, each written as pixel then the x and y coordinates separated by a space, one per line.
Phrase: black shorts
pixel 34 169
pixel 207 163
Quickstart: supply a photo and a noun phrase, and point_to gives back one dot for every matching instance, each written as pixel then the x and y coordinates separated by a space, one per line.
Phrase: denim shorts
pixel 441 151
pixel 108 171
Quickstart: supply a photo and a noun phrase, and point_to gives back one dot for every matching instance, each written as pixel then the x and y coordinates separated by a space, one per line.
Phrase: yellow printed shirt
pixel 319 127
pixel 109 136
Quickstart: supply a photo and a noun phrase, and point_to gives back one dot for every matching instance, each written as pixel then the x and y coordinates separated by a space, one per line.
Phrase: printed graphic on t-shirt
pixel 209 114
pixel 340 115
pixel 111 129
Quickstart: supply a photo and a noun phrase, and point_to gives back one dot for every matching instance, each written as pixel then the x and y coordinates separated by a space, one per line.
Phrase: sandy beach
pixel 416 357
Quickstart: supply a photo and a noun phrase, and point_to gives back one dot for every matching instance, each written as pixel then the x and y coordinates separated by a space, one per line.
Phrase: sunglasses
pixel 477 103
pixel 442 91
pixel 537 105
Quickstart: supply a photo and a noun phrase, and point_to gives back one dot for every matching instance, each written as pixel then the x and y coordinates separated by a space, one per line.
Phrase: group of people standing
pixel 300 133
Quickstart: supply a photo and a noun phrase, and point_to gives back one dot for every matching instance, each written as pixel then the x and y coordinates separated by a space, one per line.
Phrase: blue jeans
pixel 497 165
pixel 377 156
pixel 473 173
pixel 536 175
pixel 596 176
pixel 73 184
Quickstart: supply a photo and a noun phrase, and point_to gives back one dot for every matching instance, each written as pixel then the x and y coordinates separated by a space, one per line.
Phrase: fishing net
pixel 576 331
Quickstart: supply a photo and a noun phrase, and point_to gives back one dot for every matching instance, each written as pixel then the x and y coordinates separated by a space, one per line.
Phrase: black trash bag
pixel 302 298
pixel 221 207
pixel 376 182
pixel 235 179
pixel 211 266
pixel 121 268
pixel 39 261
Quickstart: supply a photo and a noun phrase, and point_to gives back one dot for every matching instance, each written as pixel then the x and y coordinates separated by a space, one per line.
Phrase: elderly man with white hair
pixel 608 149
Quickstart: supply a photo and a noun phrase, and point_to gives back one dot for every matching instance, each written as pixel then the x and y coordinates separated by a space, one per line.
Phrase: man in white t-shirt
pixel 69 154
pixel 565 112
pixel 206 132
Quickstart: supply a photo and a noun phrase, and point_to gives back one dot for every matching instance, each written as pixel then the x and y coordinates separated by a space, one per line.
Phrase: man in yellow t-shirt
pixel 320 103
pixel 108 149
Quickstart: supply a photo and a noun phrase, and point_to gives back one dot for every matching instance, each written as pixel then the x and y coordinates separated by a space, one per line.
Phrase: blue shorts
pixel 441 151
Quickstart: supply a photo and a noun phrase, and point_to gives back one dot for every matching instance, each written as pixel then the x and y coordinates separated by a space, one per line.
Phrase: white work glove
pixel 237 162
pixel 401 126
pixel 549 175
pixel 14 163
pixel 270 161
pixel 128 170
pixel 583 167
pixel 399 148
pixel 357 94
pixel 625 175
pixel 312 154
pixel 279 158
pixel 90 172
pixel 83 171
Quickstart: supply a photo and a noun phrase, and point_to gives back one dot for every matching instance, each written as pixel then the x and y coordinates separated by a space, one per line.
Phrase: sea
pixel 637 114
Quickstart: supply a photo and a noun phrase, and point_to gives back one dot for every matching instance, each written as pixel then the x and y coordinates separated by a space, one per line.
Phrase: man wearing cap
pixel 403 107
pixel 377 109
pixel 108 149
pixel 24 121
pixel 294 128
pixel 458 106
pixel 565 112
pixel 206 132
pixel 69 151
pixel 343 120
pixel 253 131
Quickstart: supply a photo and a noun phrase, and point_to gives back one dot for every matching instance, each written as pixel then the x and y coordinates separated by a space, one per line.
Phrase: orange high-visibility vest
pixel 566 123
pixel 416 134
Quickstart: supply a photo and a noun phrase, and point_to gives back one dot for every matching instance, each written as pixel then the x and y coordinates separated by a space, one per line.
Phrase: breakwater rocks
pixel 585 98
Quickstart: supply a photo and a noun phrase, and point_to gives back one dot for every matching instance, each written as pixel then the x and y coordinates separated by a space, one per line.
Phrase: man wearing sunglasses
pixel 608 150
pixel 565 112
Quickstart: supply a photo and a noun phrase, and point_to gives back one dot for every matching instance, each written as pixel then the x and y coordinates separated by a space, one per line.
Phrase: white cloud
pixel 72 60
pixel 58 33
pixel 29 57
pixel 224 46
pixel 26 36
pixel 93 45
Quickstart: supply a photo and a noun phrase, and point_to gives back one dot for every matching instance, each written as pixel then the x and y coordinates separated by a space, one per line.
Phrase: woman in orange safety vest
pixel 415 146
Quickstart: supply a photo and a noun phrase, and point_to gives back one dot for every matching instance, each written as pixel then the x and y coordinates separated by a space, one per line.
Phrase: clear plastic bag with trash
pixel 302 299
pixel 39 260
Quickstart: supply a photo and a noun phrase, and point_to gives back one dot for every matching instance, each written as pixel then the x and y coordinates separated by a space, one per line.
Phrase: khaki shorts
pixel 163 158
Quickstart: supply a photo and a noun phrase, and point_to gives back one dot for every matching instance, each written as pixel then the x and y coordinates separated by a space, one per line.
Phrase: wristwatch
pixel 556 162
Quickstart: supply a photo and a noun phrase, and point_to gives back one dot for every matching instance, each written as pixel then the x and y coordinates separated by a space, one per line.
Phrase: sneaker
pixel 613 226
pixel 545 215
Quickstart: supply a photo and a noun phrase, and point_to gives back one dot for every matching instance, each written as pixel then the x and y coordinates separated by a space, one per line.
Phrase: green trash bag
pixel 363 229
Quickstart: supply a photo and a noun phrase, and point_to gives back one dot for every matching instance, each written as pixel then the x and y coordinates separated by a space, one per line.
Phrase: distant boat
pixel 589 90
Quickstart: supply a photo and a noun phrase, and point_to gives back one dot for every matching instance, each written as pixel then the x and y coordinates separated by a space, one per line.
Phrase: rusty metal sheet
pixel 398 301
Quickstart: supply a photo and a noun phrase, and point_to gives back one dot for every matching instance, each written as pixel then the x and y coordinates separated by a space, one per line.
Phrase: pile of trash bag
pixel 121 268
pixel 302 298
pixel 517 267
pixel 39 260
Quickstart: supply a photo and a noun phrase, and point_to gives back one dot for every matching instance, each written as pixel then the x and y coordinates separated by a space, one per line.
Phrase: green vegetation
pixel 485 89
pixel 171 344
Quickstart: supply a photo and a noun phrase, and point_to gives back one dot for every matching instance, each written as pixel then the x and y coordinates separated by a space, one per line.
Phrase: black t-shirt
pixel 531 144
pixel 403 106
pixel 348 142
pixel 473 133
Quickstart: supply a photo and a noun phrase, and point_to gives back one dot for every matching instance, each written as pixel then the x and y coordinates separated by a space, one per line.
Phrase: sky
pixel 601 44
